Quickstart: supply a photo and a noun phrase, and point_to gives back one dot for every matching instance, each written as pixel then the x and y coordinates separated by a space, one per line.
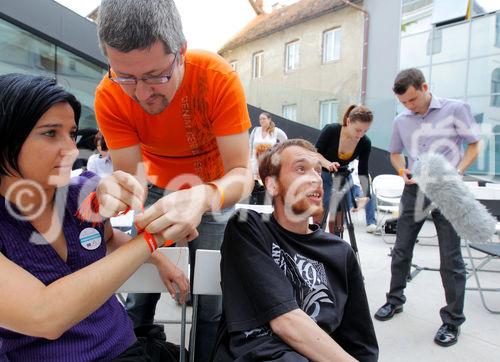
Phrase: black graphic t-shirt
pixel 268 271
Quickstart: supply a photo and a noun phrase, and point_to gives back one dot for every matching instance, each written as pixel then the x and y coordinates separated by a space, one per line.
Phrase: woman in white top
pixel 100 163
pixel 263 138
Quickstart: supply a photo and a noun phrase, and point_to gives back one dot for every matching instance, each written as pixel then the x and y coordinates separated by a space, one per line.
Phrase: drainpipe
pixel 364 67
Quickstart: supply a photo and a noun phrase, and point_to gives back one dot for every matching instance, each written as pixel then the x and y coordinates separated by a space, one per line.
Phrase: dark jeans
pixel 141 307
pixel 452 268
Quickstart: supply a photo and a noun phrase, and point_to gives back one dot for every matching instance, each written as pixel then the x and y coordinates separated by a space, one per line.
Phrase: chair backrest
pixel 492 185
pixel 76 172
pixel 146 279
pixel 471 183
pixel 388 186
pixel 485 193
pixel 206 278
pixel 267 209
pixel 123 221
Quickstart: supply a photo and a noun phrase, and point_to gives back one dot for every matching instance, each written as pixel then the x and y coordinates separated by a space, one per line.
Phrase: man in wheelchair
pixel 291 291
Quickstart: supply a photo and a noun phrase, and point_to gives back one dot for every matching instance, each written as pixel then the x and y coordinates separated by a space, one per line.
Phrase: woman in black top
pixel 340 144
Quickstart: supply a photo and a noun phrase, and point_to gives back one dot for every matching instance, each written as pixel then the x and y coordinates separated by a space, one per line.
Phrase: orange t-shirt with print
pixel 181 140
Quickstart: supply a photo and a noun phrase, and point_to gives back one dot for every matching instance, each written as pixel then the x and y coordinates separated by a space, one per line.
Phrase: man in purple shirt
pixel 437 125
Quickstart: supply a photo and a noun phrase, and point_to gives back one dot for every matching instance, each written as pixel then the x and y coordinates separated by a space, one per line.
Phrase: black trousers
pixel 452 267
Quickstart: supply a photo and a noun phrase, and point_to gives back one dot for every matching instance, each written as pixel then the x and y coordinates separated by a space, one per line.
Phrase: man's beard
pixel 301 207
pixel 304 207
pixel 158 108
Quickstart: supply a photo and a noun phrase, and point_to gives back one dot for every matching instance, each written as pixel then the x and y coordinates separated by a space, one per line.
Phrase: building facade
pixel 301 61
pixel 456 44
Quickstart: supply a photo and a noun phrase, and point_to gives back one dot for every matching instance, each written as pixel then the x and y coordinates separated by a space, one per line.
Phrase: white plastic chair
pixel 488 195
pixel 206 281
pixel 267 209
pixel 492 185
pixel 387 190
pixel 146 279
pixel 123 222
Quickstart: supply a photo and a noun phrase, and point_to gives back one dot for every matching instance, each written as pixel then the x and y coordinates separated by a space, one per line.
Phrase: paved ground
pixel 409 336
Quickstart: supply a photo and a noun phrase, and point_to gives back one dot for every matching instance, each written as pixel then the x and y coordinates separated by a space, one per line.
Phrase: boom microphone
pixel 442 184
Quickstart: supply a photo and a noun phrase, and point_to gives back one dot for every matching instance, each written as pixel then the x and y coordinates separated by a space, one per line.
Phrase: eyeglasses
pixel 148 80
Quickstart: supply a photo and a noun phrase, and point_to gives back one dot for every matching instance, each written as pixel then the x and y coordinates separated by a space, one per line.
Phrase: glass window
pixel 485 36
pixel 481 7
pixel 290 112
pixel 328 111
pixel 495 88
pixel 488 161
pixel 480 108
pixel 331 45
pixel 481 74
pixel 412 5
pixel 448 80
pixel 292 56
pixel 446 11
pixel 414 51
pixel 453 43
pixel 81 78
pixel 497 30
pixel 257 65
pixel 417 16
pixel 435 42
pixel 22 52
pixel 234 65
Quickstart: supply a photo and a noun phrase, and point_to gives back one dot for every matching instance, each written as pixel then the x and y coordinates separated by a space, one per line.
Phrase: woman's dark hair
pixel 23 101
pixel 100 141
pixel 357 114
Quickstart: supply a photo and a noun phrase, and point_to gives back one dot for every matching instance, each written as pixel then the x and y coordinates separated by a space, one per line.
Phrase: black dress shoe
pixel 387 311
pixel 447 335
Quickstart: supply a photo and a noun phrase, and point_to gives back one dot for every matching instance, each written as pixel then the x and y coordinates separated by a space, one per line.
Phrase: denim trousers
pixel 369 207
pixel 327 195
pixel 141 307
pixel 452 267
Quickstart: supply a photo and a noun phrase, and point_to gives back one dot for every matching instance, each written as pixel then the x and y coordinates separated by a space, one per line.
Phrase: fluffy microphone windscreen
pixel 442 184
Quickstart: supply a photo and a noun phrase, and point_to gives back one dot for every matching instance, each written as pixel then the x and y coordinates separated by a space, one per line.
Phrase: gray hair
pixel 127 25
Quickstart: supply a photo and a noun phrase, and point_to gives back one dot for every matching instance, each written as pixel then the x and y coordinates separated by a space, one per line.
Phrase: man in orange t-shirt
pixel 179 121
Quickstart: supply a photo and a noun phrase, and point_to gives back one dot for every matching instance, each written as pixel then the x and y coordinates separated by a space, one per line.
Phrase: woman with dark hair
pixel 57 283
pixel 339 144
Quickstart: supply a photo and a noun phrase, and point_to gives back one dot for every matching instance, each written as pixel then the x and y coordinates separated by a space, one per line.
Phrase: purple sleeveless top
pixel 104 334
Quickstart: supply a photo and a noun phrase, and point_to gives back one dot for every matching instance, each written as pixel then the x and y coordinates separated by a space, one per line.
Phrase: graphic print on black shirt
pixel 308 278
pixel 268 271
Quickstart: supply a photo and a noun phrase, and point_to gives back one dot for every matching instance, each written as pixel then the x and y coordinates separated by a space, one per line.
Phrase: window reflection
pixel 451 43
pixel 448 80
pixel 485 36
pixel 481 74
pixel 414 50
pixel 495 88
pixel 80 77
pixel 22 52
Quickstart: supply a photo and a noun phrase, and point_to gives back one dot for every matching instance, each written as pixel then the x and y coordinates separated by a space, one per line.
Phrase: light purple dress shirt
pixel 444 129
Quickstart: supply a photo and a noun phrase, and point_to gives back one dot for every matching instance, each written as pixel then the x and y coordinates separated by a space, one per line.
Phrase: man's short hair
pixel 407 78
pixel 127 25
pixel 270 161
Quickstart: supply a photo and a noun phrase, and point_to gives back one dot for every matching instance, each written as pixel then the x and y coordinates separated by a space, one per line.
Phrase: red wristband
pixel 150 240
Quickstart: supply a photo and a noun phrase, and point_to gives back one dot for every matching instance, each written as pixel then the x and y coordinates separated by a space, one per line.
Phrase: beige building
pixel 301 61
